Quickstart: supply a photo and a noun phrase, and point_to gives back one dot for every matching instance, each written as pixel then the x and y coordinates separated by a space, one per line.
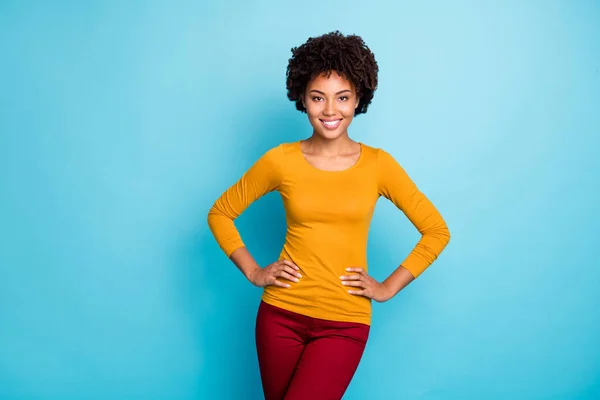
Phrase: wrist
pixel 250 274
pixel 389 290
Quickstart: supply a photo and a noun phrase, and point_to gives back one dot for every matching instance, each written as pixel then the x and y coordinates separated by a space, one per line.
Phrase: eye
pixel 344 98
pixel 317 98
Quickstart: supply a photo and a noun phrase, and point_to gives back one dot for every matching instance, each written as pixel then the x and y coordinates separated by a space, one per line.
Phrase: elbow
pixel 214 214
pixel 443 235
pixel 210 219
pixel 211 214
pixel 218 215
pixel 439 234
pixel 446 233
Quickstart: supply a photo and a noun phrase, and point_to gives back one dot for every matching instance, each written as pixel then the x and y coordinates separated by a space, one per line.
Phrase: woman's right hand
pixel 268 275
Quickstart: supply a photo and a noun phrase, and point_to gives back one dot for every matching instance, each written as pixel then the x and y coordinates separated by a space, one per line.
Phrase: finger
pixel 351 277
pixel 289 277
pixel 359 293
pixel 357 270
pixel 280 284
pixel 354 283
pixel 289 263
pixel 292 271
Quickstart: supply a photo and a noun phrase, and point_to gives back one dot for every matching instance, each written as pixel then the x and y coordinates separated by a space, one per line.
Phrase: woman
pixel 314 318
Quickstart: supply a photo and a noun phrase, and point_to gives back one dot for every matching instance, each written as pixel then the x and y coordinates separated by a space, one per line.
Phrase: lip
pixel 331 127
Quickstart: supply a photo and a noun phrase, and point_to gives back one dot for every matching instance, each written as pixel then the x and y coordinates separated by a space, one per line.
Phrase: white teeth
pixel 331 123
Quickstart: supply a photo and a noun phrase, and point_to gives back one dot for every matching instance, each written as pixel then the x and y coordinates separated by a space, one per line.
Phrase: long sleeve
pixel 395 184
pixel 263 177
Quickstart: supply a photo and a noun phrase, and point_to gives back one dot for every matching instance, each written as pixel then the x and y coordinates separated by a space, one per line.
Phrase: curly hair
pixel 348 55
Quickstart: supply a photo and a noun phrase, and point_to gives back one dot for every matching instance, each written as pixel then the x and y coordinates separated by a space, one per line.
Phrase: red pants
pixel 306 358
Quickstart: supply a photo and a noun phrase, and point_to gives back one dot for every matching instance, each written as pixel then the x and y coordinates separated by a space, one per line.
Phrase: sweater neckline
pixel 353 166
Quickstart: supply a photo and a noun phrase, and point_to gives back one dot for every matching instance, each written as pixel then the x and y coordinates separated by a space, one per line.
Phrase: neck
pixel 319 144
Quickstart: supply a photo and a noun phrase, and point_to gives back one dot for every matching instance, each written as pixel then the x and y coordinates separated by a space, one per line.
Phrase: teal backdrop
pixel 122 121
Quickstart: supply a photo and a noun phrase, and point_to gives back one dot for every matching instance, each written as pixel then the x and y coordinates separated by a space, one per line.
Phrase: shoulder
pixel 288 147
pixel 274 158
pixel 281 150
pixel 377 154
pixel 274 153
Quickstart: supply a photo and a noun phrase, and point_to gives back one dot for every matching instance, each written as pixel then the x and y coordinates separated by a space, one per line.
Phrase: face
pixel 330 104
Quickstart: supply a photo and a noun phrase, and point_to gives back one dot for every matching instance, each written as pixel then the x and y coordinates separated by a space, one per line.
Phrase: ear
pixel 302 98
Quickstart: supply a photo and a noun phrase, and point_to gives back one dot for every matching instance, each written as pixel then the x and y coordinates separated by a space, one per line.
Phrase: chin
pixel 333 135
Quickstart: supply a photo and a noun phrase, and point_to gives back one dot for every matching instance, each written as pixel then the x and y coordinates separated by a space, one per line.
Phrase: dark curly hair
pixel 348 55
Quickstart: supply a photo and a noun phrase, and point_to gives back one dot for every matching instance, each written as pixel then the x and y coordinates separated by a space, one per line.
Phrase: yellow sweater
pixel 328 214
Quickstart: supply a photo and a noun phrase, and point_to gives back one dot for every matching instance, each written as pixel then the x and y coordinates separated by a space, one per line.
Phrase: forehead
pixel 333 83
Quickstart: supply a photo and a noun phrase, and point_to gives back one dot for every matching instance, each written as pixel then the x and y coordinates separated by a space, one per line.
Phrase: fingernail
pixel 299 275
pixel 343 283
pixel 295 279
pixel 342 277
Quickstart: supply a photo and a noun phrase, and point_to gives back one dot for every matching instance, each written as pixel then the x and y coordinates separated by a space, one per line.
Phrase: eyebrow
pixel 340 92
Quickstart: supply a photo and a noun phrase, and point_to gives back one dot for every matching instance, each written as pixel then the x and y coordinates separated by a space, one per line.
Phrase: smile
pixel 331 124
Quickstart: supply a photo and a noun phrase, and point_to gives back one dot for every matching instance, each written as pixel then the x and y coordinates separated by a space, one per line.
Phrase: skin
pixel 326 99
pixel 330 98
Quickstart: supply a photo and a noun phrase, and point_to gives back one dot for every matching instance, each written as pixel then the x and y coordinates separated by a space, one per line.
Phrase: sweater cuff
pixel 415 265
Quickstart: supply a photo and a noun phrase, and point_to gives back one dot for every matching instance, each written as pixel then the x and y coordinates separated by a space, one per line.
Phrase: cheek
pixel 313 111
pixel 348 110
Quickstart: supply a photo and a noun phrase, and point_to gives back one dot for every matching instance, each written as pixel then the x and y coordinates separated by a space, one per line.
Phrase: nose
pixel 329 108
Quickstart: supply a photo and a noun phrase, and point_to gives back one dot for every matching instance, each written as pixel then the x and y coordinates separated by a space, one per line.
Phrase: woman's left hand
pixel 367 286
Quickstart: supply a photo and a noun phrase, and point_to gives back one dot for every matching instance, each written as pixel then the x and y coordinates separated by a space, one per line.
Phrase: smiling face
pixel 330 104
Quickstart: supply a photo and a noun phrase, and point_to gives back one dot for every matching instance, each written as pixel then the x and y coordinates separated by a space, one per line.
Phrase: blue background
pixel 122 122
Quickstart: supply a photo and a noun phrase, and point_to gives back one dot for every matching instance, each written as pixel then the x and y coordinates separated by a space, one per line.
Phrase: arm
pixel 397 281
pixel 244 261
pixel 395 184
pixel 262 178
